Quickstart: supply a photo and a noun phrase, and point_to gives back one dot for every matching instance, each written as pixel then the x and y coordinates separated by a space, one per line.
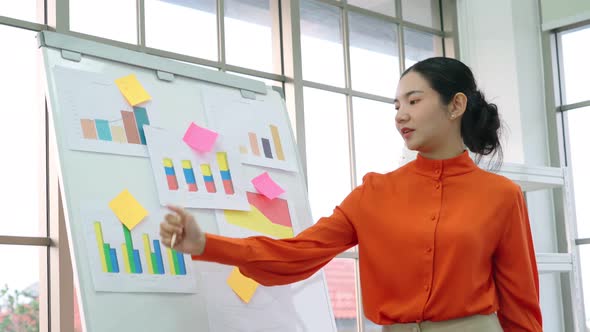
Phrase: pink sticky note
pixel 266 186
pixel 199 138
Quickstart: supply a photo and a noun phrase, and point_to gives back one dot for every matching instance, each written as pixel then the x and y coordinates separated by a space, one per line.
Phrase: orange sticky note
pixel 128 209
pixel 132 90
pixel 243 286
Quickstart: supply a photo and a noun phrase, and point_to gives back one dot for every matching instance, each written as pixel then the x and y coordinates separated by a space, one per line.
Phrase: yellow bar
pixel 222 161
pixel 277 140
pixel 171 261
pixel 187 164
pixel 126 258
pixel 148 253
pixel 168 162
pixel 100 242
pixel 118 134
pixel 206 169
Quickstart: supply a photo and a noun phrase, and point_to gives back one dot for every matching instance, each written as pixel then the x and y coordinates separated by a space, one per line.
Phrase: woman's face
pixel 423 121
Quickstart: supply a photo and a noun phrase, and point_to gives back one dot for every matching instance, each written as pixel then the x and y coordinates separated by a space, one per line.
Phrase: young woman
pixel 443 245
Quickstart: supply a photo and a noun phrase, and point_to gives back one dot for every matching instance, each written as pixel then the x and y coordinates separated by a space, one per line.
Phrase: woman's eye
pixel 412 102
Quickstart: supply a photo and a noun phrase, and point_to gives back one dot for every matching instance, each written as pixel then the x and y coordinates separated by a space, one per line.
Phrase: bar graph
pixel 267 147
pixel 210 180
pixel 124 260
pixel 131 131
pixel 130 256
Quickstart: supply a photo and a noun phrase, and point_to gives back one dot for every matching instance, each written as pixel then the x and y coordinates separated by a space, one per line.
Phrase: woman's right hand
pixel 190 239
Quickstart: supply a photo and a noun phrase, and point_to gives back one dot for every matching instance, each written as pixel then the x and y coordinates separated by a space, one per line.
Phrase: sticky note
pixel 128 209
pixel 199 138
pixel 266 186
pixel 132 90
pixel 243 286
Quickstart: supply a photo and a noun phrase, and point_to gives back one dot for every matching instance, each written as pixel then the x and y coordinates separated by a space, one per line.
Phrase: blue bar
pixel 169 170
pixel 189 175
pixel 137 261
pixel 208 178
pixel 266 148
pixel 114 261
pixel 142 119
pixel 181 265
pixel 225 175
pixel 103 130
pixel 159 262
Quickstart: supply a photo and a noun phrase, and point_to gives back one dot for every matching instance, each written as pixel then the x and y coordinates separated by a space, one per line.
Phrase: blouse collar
pixel 437 168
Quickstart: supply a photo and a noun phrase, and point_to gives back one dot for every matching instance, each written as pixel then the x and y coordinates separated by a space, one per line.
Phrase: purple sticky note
pixel 266 186
pixel 199 138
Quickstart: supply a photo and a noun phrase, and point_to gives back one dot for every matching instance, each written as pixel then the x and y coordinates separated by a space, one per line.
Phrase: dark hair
pixel 481 124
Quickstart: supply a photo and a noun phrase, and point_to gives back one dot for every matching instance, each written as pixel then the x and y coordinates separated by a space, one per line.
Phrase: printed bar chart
pixel 228 185
pixel 131 132
pixel 170 174
pixel 268 144
pixel 189 175
pixel 208 177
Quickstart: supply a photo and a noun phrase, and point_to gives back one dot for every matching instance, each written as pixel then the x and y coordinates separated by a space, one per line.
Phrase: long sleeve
pixel 516 274
pixel 275 262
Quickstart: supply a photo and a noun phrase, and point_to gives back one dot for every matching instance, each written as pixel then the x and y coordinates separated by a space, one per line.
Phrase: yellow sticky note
pixel 132 90
pixel 128 209
pixel 243 286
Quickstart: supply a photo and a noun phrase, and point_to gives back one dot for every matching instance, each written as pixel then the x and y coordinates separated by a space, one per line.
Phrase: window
pixel 575 106
pixel 185 27
pixel 89 17
pixel 22 173
pixel 351 65
pixel 345 70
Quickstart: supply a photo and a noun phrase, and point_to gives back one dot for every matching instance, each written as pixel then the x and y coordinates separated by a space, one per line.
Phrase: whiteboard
pixel 93 172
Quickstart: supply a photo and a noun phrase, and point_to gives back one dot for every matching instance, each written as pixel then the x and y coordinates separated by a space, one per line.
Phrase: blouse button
pixel 433 217
pixel 437 171
pixel 429 250
pixel 437 185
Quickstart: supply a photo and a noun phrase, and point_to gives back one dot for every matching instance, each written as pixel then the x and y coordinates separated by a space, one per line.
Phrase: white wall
pixel 501 41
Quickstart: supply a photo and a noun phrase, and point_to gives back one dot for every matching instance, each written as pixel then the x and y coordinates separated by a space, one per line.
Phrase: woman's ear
pixel 458 105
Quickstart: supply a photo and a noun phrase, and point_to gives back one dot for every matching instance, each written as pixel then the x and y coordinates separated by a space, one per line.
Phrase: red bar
pixel 210 187
pixel 192 187
pixel 172 183
pixel 131 128
pixel 228 186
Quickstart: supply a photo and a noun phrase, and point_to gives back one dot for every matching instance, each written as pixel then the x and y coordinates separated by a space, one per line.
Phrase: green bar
pixel 129 244
pixel 175 259
pixel 154 265
pixel 107 253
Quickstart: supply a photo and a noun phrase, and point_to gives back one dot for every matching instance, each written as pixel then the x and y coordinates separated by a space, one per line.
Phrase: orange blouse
pixel 438 240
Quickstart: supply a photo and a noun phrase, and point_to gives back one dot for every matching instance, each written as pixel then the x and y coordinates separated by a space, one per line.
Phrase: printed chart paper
pixel 258 130
pixel 188 178
pixel 123 260
pixel 96 116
